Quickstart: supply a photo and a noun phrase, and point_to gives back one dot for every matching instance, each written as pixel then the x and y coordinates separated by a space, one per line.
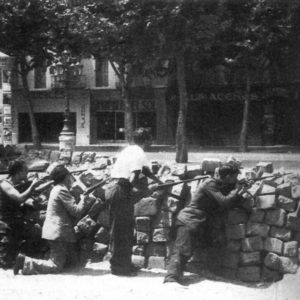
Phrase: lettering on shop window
pixel 238 96
pixel 108 105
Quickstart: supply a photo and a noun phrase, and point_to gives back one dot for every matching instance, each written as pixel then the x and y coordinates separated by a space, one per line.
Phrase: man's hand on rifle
pixel 247 183
pixel 153 187
pixel 30 202
pixel 147 172
pixel 242 187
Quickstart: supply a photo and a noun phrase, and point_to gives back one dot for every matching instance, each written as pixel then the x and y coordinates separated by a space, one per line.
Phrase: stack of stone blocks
pixel 260 236
pixel 263 234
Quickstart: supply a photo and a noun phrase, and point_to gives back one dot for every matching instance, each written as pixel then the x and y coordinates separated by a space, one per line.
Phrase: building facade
pixel 6 66
pixel 215 111
pixel 95 105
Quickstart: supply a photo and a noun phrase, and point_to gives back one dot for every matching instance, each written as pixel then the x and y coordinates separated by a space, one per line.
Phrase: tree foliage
pixel 183 32
pixel 24 34
pixel 149 38
pixel 255 39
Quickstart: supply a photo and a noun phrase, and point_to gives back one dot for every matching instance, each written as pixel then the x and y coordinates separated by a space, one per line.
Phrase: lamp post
pixel 65 71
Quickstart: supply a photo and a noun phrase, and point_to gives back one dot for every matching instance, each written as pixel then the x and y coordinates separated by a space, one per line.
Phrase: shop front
pixel 107 117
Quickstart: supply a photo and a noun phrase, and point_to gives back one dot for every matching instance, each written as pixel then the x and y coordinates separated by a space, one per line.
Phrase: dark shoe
pixel 174 285
pixel 134 268
pixel 19 263
pixel 123 273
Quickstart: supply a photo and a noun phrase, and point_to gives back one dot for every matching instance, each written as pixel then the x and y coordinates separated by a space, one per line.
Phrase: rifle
pixel 168 193
pixel 169 184
pixel 93 187
pixel 267 194
pixel 5 172
pixel 43 186
pixel 248 182
pixel 46 185
pixel 84 170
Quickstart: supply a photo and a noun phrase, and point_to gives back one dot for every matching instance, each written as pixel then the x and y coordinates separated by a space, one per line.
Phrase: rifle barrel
pixel 93 187
pixel 271 176
pixel 267 194
pixel 43 186
pixel 84 170
pixel 181 181
pixel 5 172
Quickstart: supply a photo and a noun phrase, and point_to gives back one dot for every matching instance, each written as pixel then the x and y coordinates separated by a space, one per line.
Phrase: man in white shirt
pixel 125 173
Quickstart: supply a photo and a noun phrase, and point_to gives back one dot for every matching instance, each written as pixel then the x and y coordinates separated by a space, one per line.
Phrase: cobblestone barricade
pixel 259 240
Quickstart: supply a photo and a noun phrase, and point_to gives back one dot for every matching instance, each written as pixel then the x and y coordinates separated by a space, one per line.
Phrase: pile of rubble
pixel 255 241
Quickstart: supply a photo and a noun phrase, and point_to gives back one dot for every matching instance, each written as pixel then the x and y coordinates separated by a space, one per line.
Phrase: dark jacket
pixel 209 196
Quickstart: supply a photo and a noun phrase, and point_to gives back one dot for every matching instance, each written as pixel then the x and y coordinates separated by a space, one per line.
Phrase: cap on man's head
pixel 228 169
pixel 59 173
pixel 234 161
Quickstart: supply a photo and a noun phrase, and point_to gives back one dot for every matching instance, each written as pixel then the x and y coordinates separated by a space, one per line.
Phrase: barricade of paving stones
pixel 256 241
pixel 263 236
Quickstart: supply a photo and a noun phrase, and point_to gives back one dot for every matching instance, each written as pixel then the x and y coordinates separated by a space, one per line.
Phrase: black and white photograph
pixel 149 149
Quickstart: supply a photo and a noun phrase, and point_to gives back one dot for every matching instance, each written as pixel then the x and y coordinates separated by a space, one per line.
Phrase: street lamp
pixel 66 71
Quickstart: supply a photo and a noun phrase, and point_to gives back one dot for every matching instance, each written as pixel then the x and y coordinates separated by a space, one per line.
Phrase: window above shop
pixel 40 78
pixel 101 73
pixel 6 76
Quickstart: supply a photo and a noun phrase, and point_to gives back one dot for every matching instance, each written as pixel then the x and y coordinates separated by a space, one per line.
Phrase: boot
pixel 19 263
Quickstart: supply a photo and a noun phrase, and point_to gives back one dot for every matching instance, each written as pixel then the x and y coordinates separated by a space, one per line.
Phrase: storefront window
pixel 110 125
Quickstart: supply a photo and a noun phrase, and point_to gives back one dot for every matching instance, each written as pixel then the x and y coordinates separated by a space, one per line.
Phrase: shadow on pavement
pixel 205 274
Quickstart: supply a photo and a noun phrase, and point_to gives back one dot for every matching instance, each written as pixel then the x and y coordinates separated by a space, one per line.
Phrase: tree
pixel 24 34
pixel 255 35
pixel 113 31
pixel 183 30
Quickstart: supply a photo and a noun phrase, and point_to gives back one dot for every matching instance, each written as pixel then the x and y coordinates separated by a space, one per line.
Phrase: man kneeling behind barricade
pixel 58 228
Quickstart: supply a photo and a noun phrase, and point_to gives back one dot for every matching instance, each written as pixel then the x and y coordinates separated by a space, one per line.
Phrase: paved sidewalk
pixel 96 282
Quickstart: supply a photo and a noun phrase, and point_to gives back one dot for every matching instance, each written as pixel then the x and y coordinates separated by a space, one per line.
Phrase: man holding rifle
pixel 125 173
pixel 58 229
pixel 210 195
pixel 14 193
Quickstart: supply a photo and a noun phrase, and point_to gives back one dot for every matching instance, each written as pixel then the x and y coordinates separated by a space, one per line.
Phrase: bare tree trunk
pixel 181 140
pixel 34 131
pixel 243 147
pixel 128 113
pixel 172 105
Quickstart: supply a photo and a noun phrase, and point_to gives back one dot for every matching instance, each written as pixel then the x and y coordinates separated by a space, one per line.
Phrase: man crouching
pixel 209 196
pixel 58 227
